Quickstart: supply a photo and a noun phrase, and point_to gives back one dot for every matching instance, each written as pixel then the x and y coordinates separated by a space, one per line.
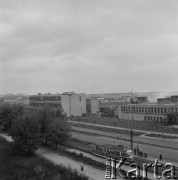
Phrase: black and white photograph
pixel 88 89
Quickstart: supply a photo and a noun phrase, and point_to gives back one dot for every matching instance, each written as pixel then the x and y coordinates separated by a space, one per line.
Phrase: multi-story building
pixel 72 104
pixel 92 107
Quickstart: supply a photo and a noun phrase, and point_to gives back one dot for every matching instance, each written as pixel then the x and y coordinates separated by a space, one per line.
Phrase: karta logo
pixel 113 166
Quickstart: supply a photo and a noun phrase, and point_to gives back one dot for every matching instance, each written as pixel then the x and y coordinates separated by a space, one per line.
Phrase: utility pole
pixel 131 140
pixel 70 105
pixel 131 134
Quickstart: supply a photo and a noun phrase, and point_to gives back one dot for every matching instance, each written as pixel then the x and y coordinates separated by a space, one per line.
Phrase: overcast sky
pixel 90 46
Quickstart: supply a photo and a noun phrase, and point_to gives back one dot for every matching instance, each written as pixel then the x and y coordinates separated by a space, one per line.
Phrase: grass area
pixel 161 136
pixel 119 131
pixel 139 125
pixel 20 167
pixel 80 157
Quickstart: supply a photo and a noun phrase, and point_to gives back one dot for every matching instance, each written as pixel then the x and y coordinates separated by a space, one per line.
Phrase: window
pixel 151 109
pixel 142 109
pixel 118 153
pixel 145 118
pixel 122 154
pixel 98 148
pixel 110 151
pixel 165 110
pixel 146 109
pixel 158 109
pixel 139 109
pixel 162 110
pixel 133 108
pixel 155 110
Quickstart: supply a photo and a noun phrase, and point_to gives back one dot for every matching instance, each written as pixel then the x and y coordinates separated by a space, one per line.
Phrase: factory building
pixel 92 107
pixel 72 104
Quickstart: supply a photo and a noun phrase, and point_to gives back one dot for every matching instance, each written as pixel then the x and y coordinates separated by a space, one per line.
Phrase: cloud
pixel 90 46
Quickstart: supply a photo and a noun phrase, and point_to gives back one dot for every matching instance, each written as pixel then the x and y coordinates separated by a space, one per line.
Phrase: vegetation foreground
pixel 29 129
pixel 15 166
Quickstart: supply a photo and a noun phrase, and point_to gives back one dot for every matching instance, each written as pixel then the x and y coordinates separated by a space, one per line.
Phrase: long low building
pixel 146 111
pixel 72 104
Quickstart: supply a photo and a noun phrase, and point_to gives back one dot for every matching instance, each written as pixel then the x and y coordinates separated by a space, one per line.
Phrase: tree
pixel 25 133
pixel 172 118
pixel 46 115
pixel 9 113
pixel 59 131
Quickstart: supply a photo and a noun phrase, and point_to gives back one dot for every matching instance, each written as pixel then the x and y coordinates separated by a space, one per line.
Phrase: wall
pixel 74 104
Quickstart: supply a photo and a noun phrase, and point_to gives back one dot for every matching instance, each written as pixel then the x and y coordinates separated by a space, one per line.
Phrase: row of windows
pixel 111 151
pixel 45 98
pixel 48 98
pixel 54 105
pixel 153 118
pixel 161 110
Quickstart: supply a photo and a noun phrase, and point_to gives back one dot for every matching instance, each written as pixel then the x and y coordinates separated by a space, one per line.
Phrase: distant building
pixel 168 100
pixel 164 100
pixel 174 99
pixel 138 100
pixel 73 104
pixel 15 99
pixel 92 107
pixel 1 100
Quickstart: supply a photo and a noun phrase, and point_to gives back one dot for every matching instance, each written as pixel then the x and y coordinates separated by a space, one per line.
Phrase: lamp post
pixel 70 106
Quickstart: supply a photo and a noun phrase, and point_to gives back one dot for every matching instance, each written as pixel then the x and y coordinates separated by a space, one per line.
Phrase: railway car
pixel 109 151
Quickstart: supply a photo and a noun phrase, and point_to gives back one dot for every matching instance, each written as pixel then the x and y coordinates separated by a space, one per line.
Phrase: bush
pixel 16 167
pixel 25 133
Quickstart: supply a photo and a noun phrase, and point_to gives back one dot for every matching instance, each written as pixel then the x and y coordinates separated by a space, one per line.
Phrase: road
pixel 152 151
pixel 167 143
